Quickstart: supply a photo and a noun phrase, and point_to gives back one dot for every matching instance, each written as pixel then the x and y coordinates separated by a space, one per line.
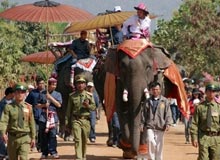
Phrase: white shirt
pixel 136 25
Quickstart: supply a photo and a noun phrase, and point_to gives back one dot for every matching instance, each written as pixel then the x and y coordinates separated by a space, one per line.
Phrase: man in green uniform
pixel 79 106
pixel 205 129
pixel 17 118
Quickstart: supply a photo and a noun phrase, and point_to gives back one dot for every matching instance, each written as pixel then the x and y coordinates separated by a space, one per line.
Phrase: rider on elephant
pixel 80 47
pixel 138 26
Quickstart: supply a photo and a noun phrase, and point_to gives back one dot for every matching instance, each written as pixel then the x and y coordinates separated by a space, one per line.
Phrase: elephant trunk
pixel 136 93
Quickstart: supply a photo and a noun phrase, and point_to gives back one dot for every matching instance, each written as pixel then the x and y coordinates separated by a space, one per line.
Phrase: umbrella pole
pixel 47 70
pixel 47 52
pixel 110 28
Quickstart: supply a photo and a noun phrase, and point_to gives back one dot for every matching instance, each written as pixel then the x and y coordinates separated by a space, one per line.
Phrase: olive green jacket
pixel 75 105
pixel 9 119
pixel 199 120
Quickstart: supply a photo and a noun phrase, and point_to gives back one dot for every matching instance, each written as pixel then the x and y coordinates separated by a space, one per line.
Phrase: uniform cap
pixel 91 84
pixel 21 87
pixel 80 79
pixel 212 86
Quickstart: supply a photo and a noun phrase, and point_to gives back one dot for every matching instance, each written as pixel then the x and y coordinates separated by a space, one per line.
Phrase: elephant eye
pixel 148 67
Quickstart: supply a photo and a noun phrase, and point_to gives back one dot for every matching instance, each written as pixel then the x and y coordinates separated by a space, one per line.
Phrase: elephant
pixel 133 75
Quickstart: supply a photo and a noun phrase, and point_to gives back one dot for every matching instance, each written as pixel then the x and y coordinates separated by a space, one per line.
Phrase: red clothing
pixel 191 107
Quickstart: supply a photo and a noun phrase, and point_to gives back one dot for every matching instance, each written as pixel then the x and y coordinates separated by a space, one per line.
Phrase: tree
pixel 10 51
pixel 193 34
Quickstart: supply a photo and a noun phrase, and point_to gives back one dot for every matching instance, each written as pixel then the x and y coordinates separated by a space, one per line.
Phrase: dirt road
pixel 174 149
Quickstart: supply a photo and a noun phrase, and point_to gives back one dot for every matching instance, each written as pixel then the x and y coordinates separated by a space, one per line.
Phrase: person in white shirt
pixel 137 26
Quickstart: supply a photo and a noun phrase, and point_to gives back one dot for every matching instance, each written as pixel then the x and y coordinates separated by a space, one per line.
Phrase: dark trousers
pixel 48 140
pixel 175 113
pixel 116 128
pixel 92 133
pixel 37 138
pixel 3 149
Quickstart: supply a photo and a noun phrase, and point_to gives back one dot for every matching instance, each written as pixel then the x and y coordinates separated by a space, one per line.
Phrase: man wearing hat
pixel 91 89
pixel 138 26
pixel 7 99
pixel 117 9
pixel 205 129
pixel 18 120
pixel 79 106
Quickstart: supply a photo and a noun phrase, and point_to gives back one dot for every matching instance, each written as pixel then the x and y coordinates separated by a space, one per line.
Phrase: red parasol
pixel 46 57
pixel 46 11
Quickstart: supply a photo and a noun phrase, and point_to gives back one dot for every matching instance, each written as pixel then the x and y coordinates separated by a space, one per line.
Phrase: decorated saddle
pixel 86 64
pixel 134 47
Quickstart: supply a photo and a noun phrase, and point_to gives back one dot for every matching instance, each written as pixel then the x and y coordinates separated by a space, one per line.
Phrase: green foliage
pixel 19 39
pixel 33 35
pixel 193 35
pixel 10 52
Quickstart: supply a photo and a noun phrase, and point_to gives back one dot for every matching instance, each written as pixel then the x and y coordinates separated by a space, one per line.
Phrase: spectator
pixel 117 9
pixel 37 98
pixel 193 102
pixel 30 88
pixel 48 121
pixel 92 134
pixel 156 119
pixel 174 110
pixel 7 99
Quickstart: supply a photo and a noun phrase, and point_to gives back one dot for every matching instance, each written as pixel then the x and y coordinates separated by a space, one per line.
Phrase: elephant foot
pixel 124 145
pixel 109 142
pixel 129 155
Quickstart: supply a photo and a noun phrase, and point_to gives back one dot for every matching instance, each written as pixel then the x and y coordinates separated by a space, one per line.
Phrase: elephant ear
pixel 160 57
pixel 110 61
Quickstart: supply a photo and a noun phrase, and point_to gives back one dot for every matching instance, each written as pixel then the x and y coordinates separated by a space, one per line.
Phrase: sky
pixel 163 8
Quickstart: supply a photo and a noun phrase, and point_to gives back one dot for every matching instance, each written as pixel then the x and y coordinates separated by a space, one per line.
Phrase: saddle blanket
pixel 86 64
pixel 134 47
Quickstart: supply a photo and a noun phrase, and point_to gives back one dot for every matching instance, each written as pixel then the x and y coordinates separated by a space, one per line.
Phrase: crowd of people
pixel 36 111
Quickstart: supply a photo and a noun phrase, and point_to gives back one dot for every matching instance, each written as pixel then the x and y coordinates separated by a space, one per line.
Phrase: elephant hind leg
pixel 129 155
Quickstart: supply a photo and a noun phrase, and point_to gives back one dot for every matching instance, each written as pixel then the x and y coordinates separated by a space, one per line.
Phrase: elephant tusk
pixel 146 93
pixel 125 95
pixel 72 75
